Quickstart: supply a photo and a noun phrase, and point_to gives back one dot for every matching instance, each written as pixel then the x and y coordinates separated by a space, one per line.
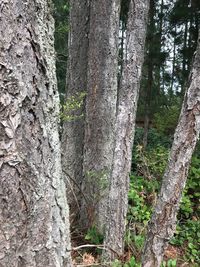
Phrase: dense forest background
pixel 170 45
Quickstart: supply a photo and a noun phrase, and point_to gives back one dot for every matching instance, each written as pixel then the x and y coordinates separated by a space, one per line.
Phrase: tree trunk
pixel 163 223
pixel 100 108
pixel 184 62
pixel 148 103
pixel 125 126
pixel 73 128
pixel 34 227
pixel 149 86
pixel 171 90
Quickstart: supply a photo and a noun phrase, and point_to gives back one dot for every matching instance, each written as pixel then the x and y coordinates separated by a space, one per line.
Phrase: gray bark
pixel 34 228
pixel 100 108
pixel 73 128
pixel 163 223
pixel 125 126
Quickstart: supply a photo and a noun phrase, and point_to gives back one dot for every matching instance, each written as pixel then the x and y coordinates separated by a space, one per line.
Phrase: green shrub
pixel 155 138
pixel 142 196
pixel 190 203
pixel 166 120
pixel 131 263
pixel 188 238
pixel 94 236
pixel 151 163
pixel 169 263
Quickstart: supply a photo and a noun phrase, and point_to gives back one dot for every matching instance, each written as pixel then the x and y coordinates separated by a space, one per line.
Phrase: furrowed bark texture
pixel 73 128
pixel 163 223
pixel 125 126
pixel 100 107
pixel 34 229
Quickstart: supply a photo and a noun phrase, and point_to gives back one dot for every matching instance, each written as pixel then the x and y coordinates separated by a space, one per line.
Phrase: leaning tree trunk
pixel 163 223
pixel 34 229
pixel 125 126
pixel 73 114
pixel 100 108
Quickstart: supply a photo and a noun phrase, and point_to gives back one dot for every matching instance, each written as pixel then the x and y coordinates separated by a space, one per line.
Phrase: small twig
pixel 89 246
pixel 86 200
pixel 96 246
pixel 93 264
pixel 71 187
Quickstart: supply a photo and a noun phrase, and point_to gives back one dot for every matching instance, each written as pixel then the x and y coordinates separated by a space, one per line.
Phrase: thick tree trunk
pixel 34 228
pixel 73 128
pixel 125 126
pixel 163 223
pixel 100 108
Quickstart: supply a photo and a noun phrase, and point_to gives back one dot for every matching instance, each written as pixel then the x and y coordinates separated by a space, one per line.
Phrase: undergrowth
pixel 145 181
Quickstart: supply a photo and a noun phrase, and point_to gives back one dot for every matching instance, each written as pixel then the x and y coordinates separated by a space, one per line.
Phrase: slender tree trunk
pixel 100 108
pixel 173 67
pixel 148 103
pixel 160 43
pixel 163 223
pixel 125 125
pixel 34 227
pixel 184 62
pixel 122 40
pixel 73 128
pixel 150 73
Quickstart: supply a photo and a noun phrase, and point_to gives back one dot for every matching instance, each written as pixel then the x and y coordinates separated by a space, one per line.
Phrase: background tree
pixel 34 226
pixel 162 225
pixel 184 23
pixel 61 15
pixel 100 113
pixel 152 91
pixel 74 109
pixel 125 126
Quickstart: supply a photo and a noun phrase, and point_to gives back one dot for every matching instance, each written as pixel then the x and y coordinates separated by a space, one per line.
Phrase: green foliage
pixel 190 204
pixel 151 163
pixel 169 263
pixel 142 196
pixel 166 120
pixel 94 236
pixel 155 138
pixel 188 229
pixel 131 263
pixel 72 108
pixel 188 238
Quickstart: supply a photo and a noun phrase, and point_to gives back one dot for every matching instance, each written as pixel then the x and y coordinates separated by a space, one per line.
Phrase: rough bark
pixel 163 223
pixel 73 128
pixel 100 108
pixel 125 126
pixel 34 229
